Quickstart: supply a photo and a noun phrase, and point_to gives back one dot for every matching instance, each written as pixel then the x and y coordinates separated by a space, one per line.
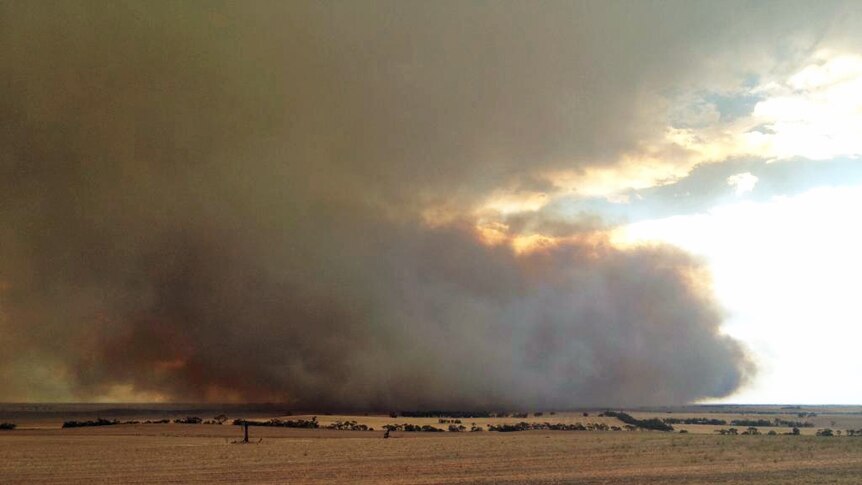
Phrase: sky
pixel 404 205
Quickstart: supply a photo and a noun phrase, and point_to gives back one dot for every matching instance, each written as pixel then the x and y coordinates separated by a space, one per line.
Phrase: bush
pixel 713 422
pixel 349 426
pixel 762 423
pixel 189 420
pixel 81 424
pixel 524 426
pixel 412 428
pixel 825 432
pixel 7 426
pixel 443 414
pixel 652 423
pixel 278 423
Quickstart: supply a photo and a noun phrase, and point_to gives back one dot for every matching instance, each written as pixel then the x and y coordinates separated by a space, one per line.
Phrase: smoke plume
pixel 230 202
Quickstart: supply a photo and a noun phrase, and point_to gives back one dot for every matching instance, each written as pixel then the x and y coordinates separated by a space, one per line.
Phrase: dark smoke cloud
pixel 223 202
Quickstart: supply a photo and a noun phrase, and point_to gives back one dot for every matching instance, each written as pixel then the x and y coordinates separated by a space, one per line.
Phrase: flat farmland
pixel 206 453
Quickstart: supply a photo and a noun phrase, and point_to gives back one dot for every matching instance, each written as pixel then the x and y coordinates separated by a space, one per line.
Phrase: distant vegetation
pixel 524 426
pixel 98 422
pixel 767 423
pixel 7 426
pixel 652 423
pixel 189 420
pixel 741 422
pixel 458 414
pixel 348 426
pixel 709 421
pixel 279 423
pixel 444 414
pixel 411 428
pixel 111 422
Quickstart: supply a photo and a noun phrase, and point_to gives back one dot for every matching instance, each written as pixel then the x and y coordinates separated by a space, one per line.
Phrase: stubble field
pixel 206 453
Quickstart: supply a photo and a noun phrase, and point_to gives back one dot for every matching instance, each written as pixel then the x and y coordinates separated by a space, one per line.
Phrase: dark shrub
pixel 98 422
pixel 713 422
pixel 278 423
pixel 349 426
pixel 189 420
pixel 443 414
pixel 652 423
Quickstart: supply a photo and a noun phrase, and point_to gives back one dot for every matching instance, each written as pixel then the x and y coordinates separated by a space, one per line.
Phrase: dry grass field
pixel 206 453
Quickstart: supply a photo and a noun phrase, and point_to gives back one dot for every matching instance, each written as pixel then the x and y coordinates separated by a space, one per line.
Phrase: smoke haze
pixel 278 202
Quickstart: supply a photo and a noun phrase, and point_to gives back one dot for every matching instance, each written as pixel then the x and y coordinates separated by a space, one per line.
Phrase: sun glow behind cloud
pixel 813 113
pixel 787 272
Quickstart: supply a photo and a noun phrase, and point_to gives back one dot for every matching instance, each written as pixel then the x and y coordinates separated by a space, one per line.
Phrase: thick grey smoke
pixel 223 202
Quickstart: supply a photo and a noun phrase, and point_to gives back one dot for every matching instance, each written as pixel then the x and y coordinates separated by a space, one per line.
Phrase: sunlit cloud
pixel 787 272
pixel 815 113
pixel 511 203
pixel 742 182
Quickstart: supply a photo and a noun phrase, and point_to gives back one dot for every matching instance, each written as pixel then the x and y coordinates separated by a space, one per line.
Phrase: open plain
pixel 39 451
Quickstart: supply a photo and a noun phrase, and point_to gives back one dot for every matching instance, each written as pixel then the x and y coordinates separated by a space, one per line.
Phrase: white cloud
pixel 787 271
pixel 815 113
pixel 742 182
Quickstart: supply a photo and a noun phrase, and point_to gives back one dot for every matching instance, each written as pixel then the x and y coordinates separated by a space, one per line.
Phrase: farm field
pixel 206 453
